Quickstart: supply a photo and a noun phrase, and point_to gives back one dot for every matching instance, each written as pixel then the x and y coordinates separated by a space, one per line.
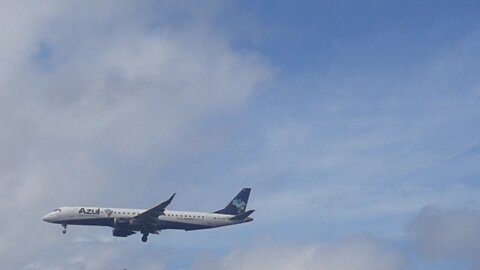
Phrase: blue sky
pixel 355 123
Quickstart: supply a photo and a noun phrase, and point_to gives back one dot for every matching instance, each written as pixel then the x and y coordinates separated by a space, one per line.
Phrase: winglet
pixel 167 202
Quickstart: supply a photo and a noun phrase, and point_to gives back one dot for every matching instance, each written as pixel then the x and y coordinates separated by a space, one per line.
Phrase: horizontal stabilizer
pixel 243 215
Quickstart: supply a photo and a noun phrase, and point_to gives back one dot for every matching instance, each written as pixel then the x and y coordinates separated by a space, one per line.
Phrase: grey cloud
pixel 448 234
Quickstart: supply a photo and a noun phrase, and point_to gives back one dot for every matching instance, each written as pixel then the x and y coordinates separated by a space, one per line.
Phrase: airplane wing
pixel 153 213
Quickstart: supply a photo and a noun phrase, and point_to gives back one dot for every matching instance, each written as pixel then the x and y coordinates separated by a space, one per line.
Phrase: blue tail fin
pixel 238 204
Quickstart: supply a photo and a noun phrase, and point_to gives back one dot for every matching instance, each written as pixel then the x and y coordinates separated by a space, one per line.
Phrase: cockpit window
pixel 57 210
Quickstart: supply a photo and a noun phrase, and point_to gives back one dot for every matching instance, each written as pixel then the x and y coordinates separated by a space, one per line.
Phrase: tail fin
pixel 238 204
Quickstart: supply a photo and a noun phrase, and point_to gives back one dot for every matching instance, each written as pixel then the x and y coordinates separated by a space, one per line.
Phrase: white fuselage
pixel 97 216
pixel 126 222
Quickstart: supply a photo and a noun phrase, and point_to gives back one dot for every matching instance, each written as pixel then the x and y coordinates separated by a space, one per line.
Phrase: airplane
pixel 126 222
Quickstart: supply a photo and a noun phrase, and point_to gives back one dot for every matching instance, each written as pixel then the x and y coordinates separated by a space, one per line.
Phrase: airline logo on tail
pixel 240 204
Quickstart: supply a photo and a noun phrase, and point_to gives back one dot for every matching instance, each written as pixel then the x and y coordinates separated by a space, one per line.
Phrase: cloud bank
pixel 100 102
pixel 355 254
pixel 88 88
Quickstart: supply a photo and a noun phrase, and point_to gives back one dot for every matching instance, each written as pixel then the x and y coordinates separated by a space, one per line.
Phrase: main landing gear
pixel 146 231
pixel 64 228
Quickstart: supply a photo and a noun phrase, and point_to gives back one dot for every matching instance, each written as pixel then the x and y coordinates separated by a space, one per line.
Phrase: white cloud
pixel 353 254
pixel 89 87
pixel 92 256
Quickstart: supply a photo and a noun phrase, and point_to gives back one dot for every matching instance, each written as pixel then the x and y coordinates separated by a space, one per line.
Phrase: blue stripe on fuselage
pixel 161 224
pixel 89 221
pixel 173 225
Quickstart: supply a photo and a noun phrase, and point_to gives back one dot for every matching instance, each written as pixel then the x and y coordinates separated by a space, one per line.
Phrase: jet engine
pixel 122 232
pixel 122 228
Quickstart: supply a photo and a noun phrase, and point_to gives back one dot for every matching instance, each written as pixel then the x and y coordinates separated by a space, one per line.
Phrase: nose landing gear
pixel 145 238
pixel 64 228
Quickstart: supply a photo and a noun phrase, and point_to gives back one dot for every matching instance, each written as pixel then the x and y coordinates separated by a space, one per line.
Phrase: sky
pixel 355 123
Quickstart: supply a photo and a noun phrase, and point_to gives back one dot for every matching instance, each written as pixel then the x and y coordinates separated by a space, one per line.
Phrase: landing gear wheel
pixel 144 238
pixel 64 228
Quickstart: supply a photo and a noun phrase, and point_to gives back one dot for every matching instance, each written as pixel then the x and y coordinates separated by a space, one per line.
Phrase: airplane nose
pixel 47 218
